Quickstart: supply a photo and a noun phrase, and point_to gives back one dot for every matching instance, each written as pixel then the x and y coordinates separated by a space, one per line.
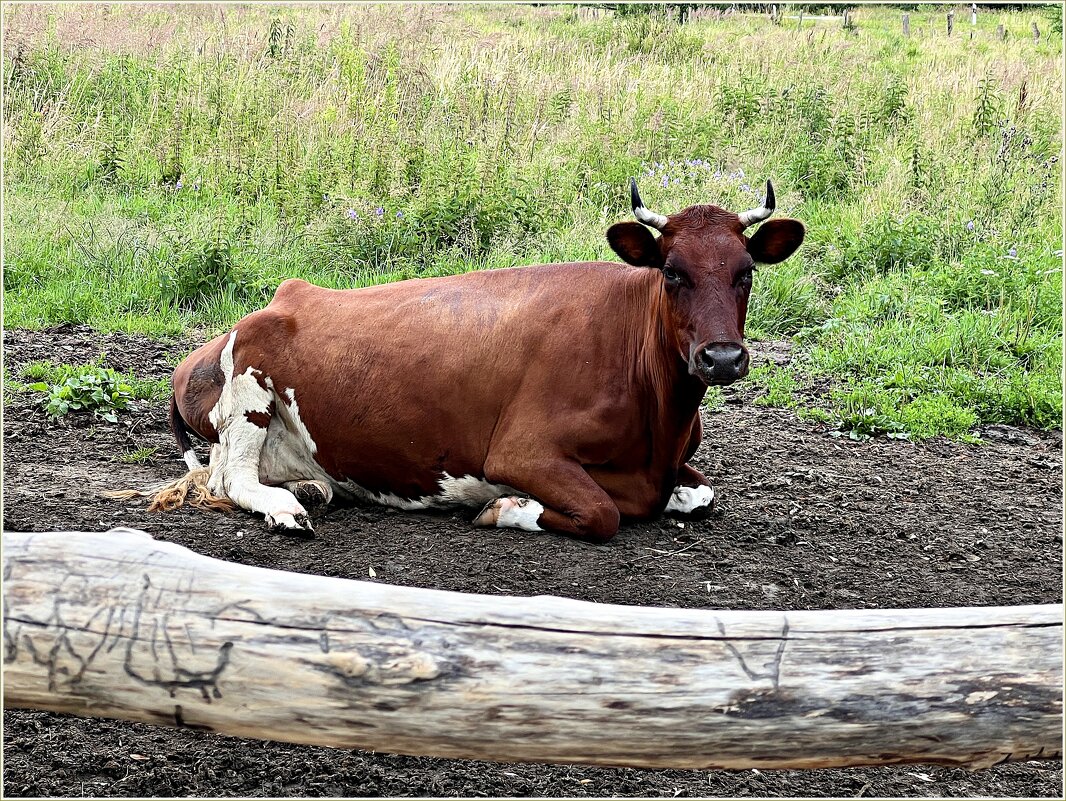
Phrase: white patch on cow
pixel 235 460
pixel 191 460
pixel 520 513
pixel 470 491
pixel 467 490
pixel 686 500
pixel 289 452
pixel 384 498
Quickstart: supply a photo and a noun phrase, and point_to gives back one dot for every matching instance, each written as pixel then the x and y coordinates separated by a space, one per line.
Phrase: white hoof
pixel 511 512
pixel 686 500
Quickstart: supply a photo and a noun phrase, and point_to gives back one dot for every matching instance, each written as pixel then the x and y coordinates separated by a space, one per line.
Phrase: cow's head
pixel 706 263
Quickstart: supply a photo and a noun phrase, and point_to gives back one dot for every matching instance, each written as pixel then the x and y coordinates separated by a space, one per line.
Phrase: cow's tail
pixel 189 490
pixel 181 435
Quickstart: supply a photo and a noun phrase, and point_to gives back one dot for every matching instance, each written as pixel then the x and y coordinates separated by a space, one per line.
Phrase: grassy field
pixel 166 172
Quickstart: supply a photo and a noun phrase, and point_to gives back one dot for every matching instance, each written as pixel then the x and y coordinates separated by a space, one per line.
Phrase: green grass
pixel 165 173
pixel 142 455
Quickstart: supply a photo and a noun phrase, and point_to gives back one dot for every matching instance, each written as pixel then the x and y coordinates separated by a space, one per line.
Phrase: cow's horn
pixel 643 214
pixel 762 212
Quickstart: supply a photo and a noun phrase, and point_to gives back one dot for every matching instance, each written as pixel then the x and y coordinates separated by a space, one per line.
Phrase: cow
pixel 555 397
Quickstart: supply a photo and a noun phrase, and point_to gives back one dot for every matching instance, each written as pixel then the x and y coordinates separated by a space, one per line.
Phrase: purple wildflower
pixel 379 211
pixel 1012 253
pixel 399 215
pixel 351 214
pixel 969 225
pixel 745 188
pixel 179 184
pixel 666 180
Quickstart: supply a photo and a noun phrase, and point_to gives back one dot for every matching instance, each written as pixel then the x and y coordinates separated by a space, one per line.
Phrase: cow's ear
pixel 776 240
pixel 635 244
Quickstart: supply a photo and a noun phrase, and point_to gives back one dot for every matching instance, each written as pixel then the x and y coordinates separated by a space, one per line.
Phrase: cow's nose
pixel 724 362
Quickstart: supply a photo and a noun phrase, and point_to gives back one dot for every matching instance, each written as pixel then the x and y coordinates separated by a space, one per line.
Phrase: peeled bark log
pixel 120 625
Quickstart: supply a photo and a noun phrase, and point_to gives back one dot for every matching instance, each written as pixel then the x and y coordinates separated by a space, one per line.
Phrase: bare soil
pixel 804 521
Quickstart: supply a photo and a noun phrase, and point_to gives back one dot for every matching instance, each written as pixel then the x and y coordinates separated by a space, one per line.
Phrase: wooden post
pixel 1036 32
pixel 847 19
pixel 951 22
pixel 1001 33
pixel 907 25
pixel 973 13
pixel 119 625
pixel 800 26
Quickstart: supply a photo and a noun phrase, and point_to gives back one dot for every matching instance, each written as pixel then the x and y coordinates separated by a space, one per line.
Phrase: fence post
pixel 1036 33
pixel 951 22
pixel 907 25
pixel 973 13
pixel 1001 33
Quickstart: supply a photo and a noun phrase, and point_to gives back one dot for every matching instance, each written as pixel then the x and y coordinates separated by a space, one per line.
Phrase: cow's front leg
pixel 693 495
pixel 564 499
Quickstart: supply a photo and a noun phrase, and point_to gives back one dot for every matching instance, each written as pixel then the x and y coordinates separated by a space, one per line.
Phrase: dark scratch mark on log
pixel 202 680
pixel 181 723
pixel 92 654
pixel 774 672
pixel 239 605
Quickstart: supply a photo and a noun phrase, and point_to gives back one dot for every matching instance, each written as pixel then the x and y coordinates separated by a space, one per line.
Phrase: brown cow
pixel 563 396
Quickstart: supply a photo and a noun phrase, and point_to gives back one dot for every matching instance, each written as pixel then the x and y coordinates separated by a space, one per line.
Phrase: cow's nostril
pixel 725 362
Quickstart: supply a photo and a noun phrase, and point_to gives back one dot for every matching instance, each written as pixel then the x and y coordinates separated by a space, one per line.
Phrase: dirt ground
pixel 804 521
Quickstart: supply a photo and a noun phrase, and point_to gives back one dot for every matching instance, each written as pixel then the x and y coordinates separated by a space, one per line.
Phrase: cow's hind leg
pixel 564 499
pixel 241 417
pixel 235 474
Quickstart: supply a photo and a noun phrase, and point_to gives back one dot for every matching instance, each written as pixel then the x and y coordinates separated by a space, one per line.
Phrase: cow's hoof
pixel 311 494
pixel 298 525
pixel 693 502
pixel 511 512
pixel 490 514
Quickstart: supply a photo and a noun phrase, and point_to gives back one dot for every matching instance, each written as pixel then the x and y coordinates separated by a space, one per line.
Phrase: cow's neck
pixel 673 393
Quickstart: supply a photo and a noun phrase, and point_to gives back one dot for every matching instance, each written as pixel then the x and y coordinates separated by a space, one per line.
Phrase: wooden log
pixel 119 625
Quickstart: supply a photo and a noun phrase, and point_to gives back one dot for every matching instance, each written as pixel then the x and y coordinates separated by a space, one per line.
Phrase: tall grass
pixel 164 171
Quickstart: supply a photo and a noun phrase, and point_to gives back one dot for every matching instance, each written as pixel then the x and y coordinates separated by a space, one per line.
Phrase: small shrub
pixel 864 424
pixel 99 390
pixel 988 107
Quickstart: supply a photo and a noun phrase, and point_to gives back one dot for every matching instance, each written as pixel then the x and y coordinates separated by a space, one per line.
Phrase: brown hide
pixel 513 375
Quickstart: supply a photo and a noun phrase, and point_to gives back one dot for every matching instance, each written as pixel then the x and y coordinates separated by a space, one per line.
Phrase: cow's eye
pixel 671 275
pixel 744 278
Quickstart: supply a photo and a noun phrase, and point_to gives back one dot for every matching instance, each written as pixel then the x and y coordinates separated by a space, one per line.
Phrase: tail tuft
pixel 191 490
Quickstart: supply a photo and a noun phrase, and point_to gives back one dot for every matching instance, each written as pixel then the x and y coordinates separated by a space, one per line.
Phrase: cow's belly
pixel 290 454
